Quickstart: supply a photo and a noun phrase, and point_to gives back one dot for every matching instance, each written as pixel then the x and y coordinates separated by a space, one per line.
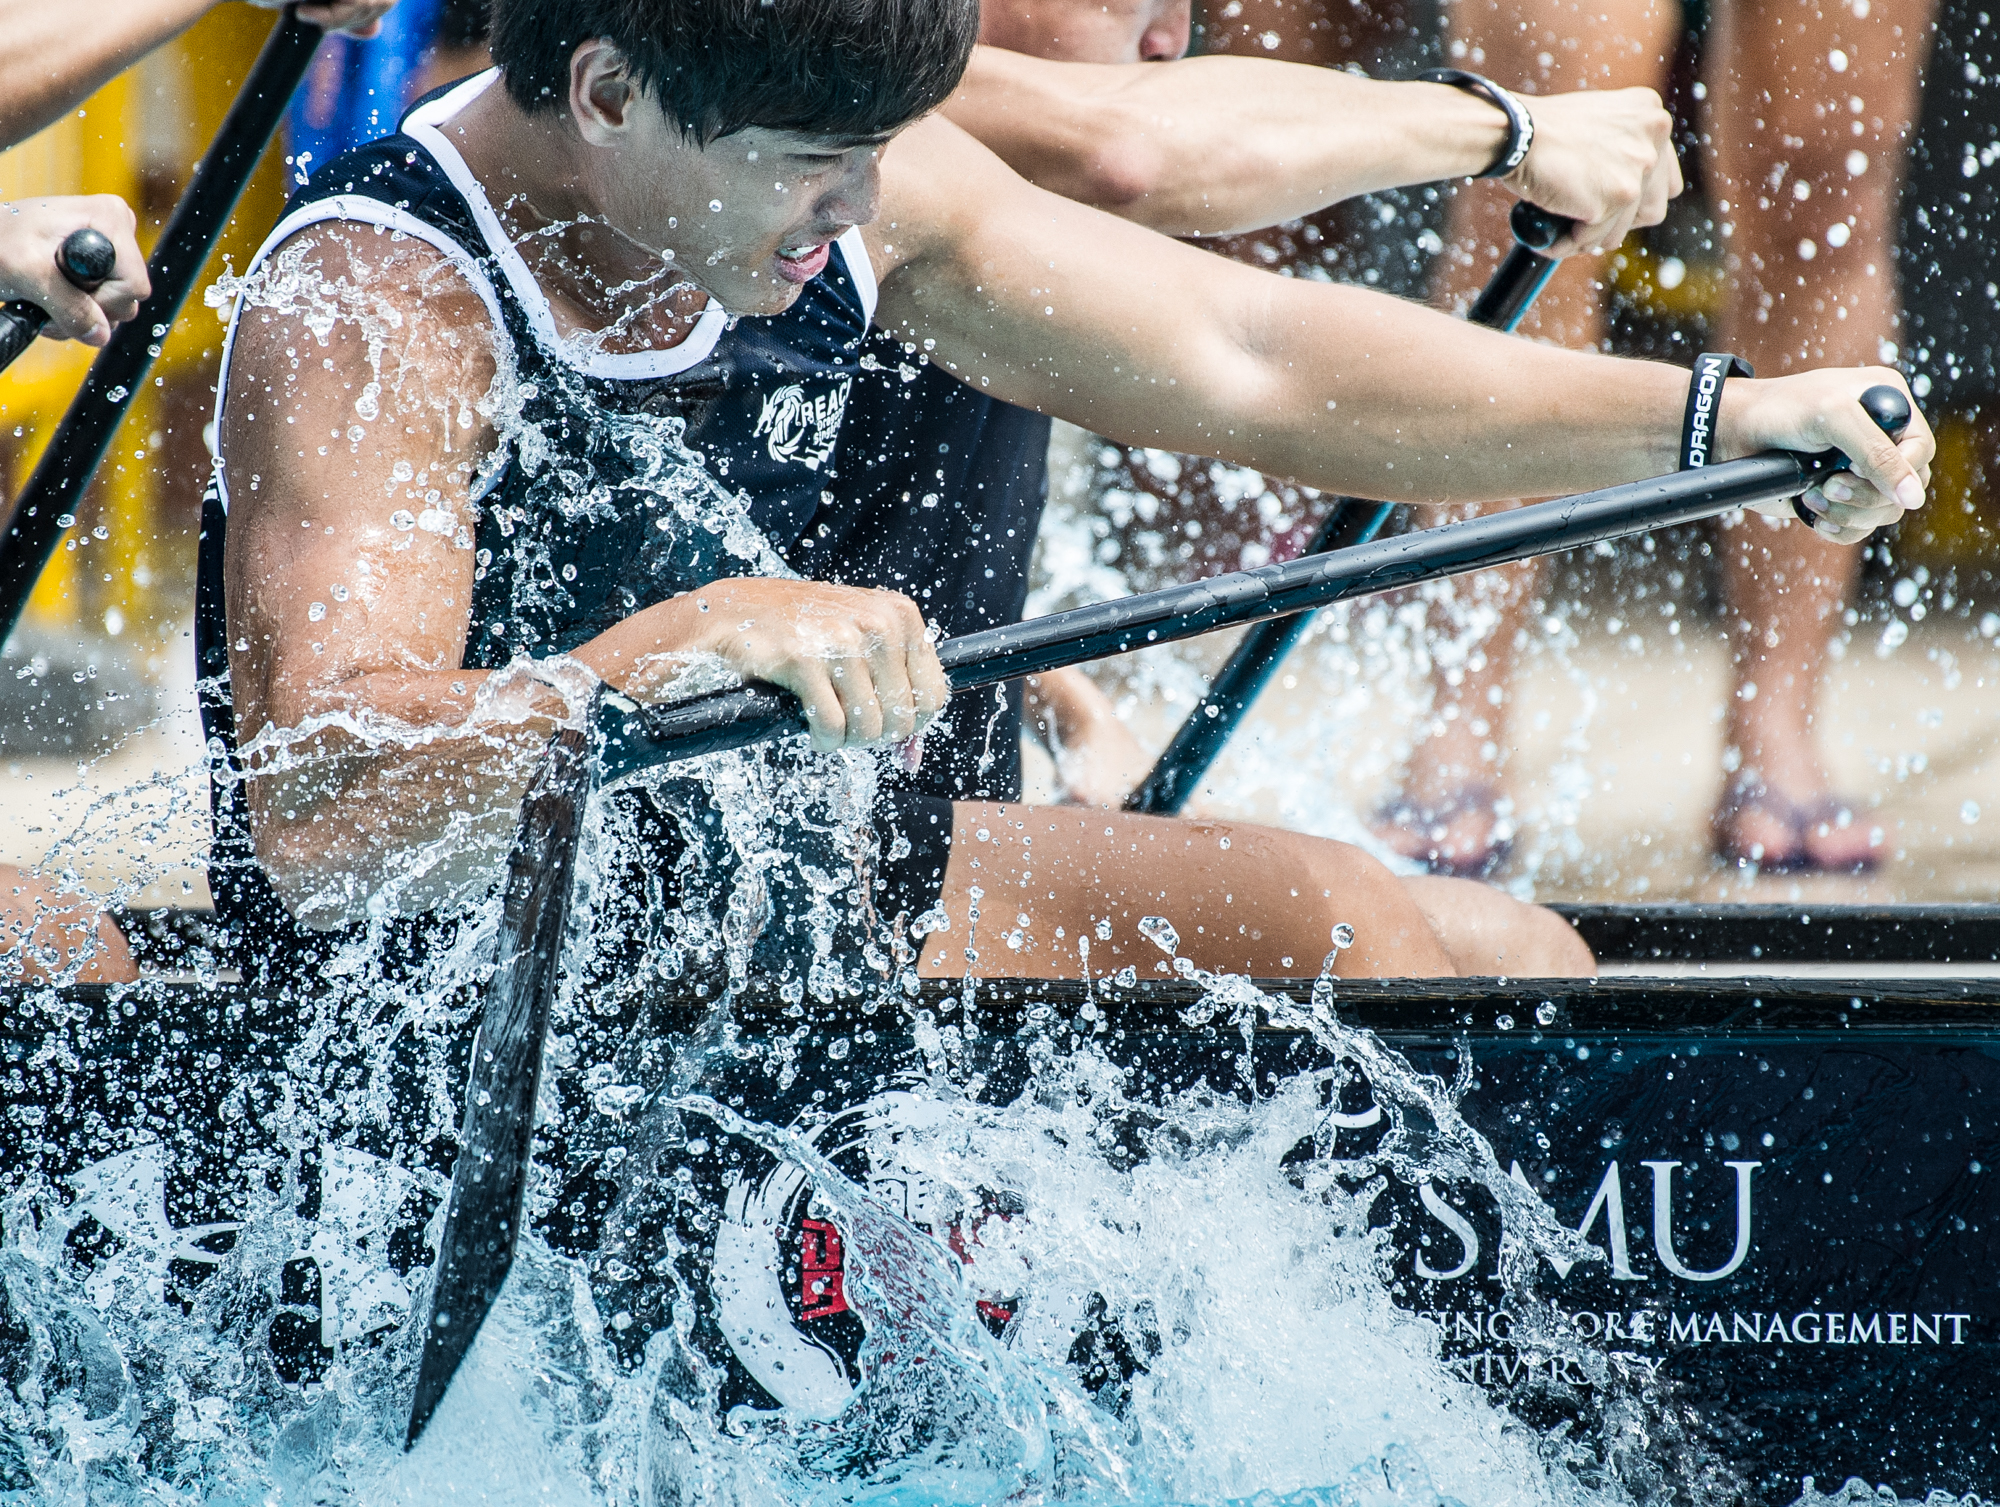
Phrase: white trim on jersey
pixel 422 123
pixel 854 251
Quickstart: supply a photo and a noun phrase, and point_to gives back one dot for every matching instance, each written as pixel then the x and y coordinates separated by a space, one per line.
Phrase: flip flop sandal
pixel 1799 821
pixel 1431 823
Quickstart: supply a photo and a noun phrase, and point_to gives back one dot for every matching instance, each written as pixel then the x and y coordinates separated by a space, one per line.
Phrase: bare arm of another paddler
pixel 1216 145
pixel 1058 307
pixel 51 63
pixel 381 768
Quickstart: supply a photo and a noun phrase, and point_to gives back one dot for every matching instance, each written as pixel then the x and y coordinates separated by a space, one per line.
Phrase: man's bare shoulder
pixel 347 324
pixel 346 281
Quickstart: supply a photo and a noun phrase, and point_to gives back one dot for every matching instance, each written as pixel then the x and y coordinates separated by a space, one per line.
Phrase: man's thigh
pixel 1050 891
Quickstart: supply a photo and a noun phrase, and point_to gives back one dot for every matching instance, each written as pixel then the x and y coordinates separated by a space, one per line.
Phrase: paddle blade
pixel 490 1181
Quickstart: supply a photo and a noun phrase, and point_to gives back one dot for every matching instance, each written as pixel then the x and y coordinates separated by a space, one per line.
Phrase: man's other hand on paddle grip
pixel 1821 410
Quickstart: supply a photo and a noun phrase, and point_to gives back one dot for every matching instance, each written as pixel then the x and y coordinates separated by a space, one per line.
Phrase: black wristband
pixel 1711 370
pixel 1520 124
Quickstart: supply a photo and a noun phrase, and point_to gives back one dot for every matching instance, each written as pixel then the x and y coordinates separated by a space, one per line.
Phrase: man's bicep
pixel 349 479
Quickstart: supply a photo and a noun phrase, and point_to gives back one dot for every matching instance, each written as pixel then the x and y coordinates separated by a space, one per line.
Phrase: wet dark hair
pixel 855 68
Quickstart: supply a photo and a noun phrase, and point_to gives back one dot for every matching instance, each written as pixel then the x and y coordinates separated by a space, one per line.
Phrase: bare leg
pixel 1808 164
pixel 45 929
pixel 1445 816
pixel 1243 899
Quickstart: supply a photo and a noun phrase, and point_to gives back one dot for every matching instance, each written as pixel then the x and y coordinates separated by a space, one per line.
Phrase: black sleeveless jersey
pixel 937 492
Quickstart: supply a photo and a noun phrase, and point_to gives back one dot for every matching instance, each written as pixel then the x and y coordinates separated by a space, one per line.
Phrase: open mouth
pixel 801 264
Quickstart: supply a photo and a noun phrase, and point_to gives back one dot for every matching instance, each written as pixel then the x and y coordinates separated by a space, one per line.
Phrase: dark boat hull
pixel 1819 1290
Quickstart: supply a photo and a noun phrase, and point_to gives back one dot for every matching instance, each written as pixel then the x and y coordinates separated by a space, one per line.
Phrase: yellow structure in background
pixel 139 137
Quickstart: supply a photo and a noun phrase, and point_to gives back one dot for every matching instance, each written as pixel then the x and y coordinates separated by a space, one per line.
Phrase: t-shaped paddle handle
pixel 1538 228
pixel 1525 272
pixel 85 258
pixel 1889 408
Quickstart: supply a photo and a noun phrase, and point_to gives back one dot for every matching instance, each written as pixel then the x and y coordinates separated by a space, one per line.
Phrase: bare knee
pixel 1393 937
pixel 46 930
pixel 1487 932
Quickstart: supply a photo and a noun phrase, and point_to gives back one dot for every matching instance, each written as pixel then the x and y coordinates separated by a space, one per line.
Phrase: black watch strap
pixel 1520 124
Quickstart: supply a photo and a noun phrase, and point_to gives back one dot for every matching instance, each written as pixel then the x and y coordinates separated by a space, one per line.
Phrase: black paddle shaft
pixel 1200 739
pixel 36 524
pixel 490 1180
pixel 85 260
pixel 637 738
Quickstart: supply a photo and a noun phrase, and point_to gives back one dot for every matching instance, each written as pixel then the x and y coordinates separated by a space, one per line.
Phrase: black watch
pixel 1520 124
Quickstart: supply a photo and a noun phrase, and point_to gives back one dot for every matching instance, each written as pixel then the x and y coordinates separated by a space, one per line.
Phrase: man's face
pixel 750 217
pixel 1088 31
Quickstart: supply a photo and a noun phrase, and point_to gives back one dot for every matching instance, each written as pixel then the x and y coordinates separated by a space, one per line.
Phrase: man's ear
pixel 601 91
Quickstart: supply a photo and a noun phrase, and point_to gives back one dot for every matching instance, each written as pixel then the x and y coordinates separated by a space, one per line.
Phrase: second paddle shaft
pixel 637 738
pixel 85 259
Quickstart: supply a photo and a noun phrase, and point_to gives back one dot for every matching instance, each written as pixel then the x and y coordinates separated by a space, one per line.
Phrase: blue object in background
pixel 356 89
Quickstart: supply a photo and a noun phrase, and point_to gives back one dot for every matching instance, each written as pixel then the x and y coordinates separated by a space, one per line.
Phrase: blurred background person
pixel 1808 116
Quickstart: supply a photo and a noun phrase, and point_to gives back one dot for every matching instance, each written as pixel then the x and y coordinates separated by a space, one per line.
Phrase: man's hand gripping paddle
pixel 490 1181
pixel 1199 740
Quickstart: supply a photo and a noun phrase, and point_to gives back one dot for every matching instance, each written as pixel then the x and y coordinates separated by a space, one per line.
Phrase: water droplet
pixel 403 519
pixel 1225 842
pixel 837 1049
pixel 715 206
pixel 315 612
pixel 934 919
pixel 1343 935
pixel 1545 1013
pixel 1125 977
pixel 1160 932
pixel 1104 931
pixel 1504 1022
pixel 1969 812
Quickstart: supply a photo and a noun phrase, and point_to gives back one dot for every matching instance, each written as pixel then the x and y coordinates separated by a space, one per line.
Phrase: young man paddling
pixel 1087 101
pixel 449 434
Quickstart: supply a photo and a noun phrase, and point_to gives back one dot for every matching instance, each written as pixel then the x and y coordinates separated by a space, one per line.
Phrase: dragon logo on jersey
pixel 798 428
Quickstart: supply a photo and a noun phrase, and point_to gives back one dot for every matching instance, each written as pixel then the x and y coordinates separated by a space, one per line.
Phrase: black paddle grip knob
pixel 1537 228
pixel 86 258
pixel 1889 408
